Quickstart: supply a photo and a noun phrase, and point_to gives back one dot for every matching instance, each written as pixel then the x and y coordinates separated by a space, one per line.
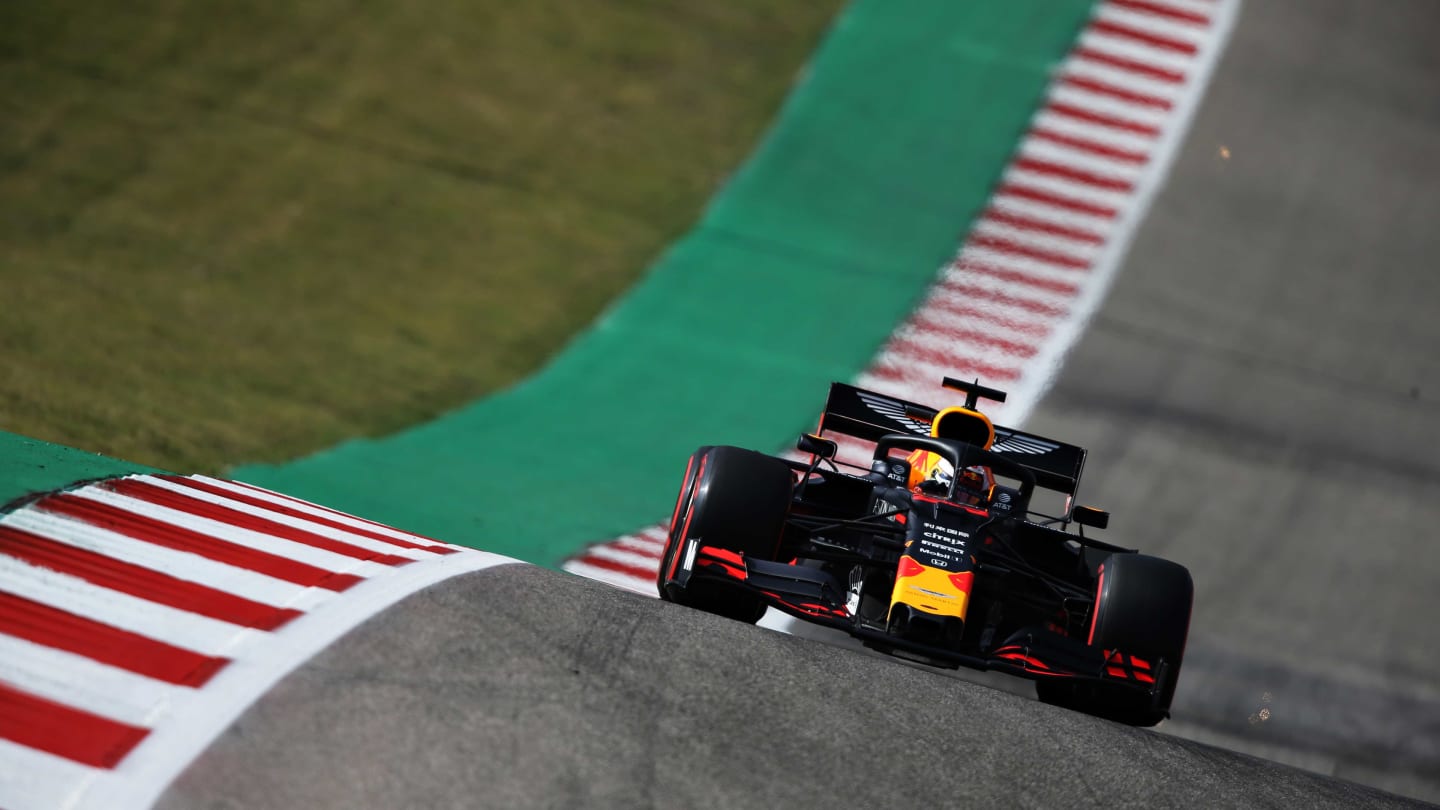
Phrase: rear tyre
pixel 1142 608
pixel 734 499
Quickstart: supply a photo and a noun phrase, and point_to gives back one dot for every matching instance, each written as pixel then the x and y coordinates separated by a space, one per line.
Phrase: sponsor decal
pixel 935 594
pixel 1006 442
pixel 895 412
pixel 940 547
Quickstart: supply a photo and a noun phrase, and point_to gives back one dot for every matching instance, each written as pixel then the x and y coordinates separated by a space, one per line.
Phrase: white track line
pixel 1135 51
pixel 640 585
pixel 81 683
pixel 1130 81
pixel 64 672
pixel 1153 24
pixel 614 553
pixel 177 628
pixel 35 780
pixel 140 779
pixel 348 538
pixel 184 565
pixel 1108 106
pixel 250 490
pixel 249 538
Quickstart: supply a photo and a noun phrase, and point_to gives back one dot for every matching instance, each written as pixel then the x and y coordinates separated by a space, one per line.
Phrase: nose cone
pixel 919 626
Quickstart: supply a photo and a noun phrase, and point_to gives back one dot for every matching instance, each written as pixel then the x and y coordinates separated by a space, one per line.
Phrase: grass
pixel 245 231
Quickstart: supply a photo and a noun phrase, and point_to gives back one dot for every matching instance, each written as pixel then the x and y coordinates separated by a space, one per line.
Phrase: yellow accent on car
pixel 928 589
pixel 967 425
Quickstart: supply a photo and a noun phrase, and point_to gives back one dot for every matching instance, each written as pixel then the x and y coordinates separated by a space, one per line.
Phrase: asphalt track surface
pixel 1261 392
pixel 1260 395
pixel 571 693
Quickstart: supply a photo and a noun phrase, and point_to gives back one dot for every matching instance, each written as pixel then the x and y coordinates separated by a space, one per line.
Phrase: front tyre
pixel 734 499
pixel 673 542
pixel 1142 608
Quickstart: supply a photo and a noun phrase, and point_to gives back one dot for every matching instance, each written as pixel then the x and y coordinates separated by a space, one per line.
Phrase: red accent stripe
pixel 908 568
pixel 129 651
pixel 1013 248
pixel 971 336
pixel 160 496
pixel 79 736
pixel 1017 277
pixel 108 572
pixel 1105 89
pixel 963 581
pixel 168 535
pixel 1095 611
pixel 723 568
pixel 1130 65
pixel 727 561
pixel 680 496
pixel 722 555
pixel 689 513
pixel 296 513
pixel 1144 37
pixel 335 512
pixel 1093 147
pixel 1072 174
pixel 1082 114
pixel 1026 223
pixel 983 294
pixel 1160 10
pixel 639 548
pixel 1025 660
pixel 1037 330
pixel 957 365
pixel 974 313
pixel 1058 200
pixel 623 568
pixel 809 608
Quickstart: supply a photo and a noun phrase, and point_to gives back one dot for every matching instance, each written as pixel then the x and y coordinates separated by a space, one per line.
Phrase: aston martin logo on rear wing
pixel 868 415
pixel 1013 442
pixel 897 411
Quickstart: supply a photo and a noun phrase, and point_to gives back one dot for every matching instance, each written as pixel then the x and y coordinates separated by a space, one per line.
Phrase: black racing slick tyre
pixel 1142 608
pixel 734 499
pixel 677 517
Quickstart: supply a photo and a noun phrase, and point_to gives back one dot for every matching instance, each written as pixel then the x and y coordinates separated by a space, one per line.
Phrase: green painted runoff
pixel 797 272
pixel 31 467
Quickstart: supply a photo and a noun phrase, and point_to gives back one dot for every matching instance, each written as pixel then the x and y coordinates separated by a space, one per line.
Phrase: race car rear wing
pixel 868 415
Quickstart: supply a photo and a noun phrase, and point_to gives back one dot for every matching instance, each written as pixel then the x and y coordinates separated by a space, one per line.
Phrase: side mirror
pixel 816 446
pixel 1090 516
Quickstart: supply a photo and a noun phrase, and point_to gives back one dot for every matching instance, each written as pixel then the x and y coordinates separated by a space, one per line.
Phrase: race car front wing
pixel 814 596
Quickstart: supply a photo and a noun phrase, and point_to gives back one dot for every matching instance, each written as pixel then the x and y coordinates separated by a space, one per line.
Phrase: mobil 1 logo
pixel 939 546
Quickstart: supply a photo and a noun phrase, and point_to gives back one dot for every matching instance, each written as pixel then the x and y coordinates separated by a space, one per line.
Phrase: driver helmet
pixel 932 472
pixel 973 487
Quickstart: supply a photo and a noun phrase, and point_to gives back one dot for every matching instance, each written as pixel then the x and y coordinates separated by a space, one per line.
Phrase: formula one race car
pixel 935 553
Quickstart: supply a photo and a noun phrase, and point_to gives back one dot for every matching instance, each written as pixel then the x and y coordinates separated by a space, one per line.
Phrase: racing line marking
pixel 140 616
pixel 1039 259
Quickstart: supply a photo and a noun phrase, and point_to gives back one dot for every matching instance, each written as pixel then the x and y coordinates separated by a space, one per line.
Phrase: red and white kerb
pixel 1039 259
pixel 140 616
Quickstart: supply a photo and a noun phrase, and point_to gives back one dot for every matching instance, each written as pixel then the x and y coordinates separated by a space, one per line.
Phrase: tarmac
pixel 1260 395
